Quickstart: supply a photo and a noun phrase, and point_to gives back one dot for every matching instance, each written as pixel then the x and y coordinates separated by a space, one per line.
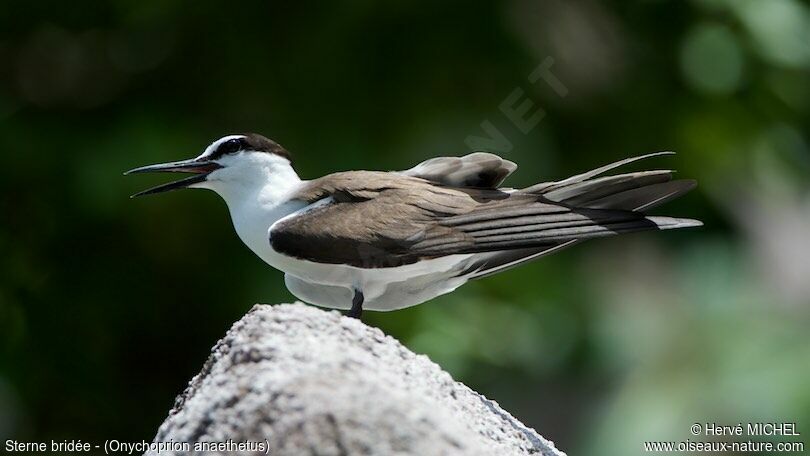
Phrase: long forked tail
pixel 590 193
pixel 636 192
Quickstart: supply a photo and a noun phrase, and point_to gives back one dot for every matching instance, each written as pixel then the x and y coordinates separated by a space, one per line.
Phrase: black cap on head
pixel 250 141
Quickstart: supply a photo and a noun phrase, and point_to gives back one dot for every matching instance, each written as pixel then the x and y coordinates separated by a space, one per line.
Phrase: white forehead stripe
pixel 211 148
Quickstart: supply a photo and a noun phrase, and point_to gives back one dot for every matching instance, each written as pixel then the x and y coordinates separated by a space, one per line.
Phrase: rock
pixel 303 381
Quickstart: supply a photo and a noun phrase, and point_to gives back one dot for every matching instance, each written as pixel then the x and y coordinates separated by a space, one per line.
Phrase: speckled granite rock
pixel 310 382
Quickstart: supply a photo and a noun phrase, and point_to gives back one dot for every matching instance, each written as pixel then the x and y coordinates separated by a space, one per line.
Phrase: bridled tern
pixel 389 240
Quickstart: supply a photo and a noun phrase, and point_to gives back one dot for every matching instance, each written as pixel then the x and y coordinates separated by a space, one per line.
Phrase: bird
pixel 387 240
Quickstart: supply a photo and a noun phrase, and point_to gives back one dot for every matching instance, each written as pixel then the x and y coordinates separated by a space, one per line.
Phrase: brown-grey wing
pixel 378 224
pixel 392 222
pixel 478 170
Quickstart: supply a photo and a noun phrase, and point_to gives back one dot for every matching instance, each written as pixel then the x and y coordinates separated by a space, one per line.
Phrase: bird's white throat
pixel 256 188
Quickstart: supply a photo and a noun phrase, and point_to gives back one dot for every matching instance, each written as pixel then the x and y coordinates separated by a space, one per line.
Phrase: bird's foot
pixel 357 305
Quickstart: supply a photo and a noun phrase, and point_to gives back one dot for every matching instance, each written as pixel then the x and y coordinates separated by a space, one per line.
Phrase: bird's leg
pixel 357 305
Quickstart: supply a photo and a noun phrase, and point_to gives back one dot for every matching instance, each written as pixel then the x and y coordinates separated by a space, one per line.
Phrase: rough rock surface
pixel 310 382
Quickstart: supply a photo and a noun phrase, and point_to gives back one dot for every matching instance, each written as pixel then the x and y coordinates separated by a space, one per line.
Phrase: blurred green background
pixel 108 306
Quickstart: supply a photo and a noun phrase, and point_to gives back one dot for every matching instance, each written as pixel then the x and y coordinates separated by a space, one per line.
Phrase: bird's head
pixel 231 163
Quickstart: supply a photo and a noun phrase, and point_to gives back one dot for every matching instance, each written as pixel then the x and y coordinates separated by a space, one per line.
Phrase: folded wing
pixel 375 220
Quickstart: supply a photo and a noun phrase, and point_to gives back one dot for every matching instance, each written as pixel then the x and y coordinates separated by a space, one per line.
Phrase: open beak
pixel 200 168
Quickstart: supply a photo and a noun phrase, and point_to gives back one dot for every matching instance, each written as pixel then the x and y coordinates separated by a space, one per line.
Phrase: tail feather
pixel 637 192
pixel 580 193
pixel 599 206
pixel 548 186
pixel 672 223
pixel 643 198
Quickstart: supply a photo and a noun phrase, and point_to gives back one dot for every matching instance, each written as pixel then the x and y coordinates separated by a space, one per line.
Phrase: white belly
pixel 333 285
pixel 382 288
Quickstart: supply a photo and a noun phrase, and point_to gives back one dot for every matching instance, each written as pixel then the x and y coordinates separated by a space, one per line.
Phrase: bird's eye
pixel 231 146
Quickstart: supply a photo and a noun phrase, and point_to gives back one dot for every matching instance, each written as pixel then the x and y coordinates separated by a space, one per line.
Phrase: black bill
pixel 200 168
